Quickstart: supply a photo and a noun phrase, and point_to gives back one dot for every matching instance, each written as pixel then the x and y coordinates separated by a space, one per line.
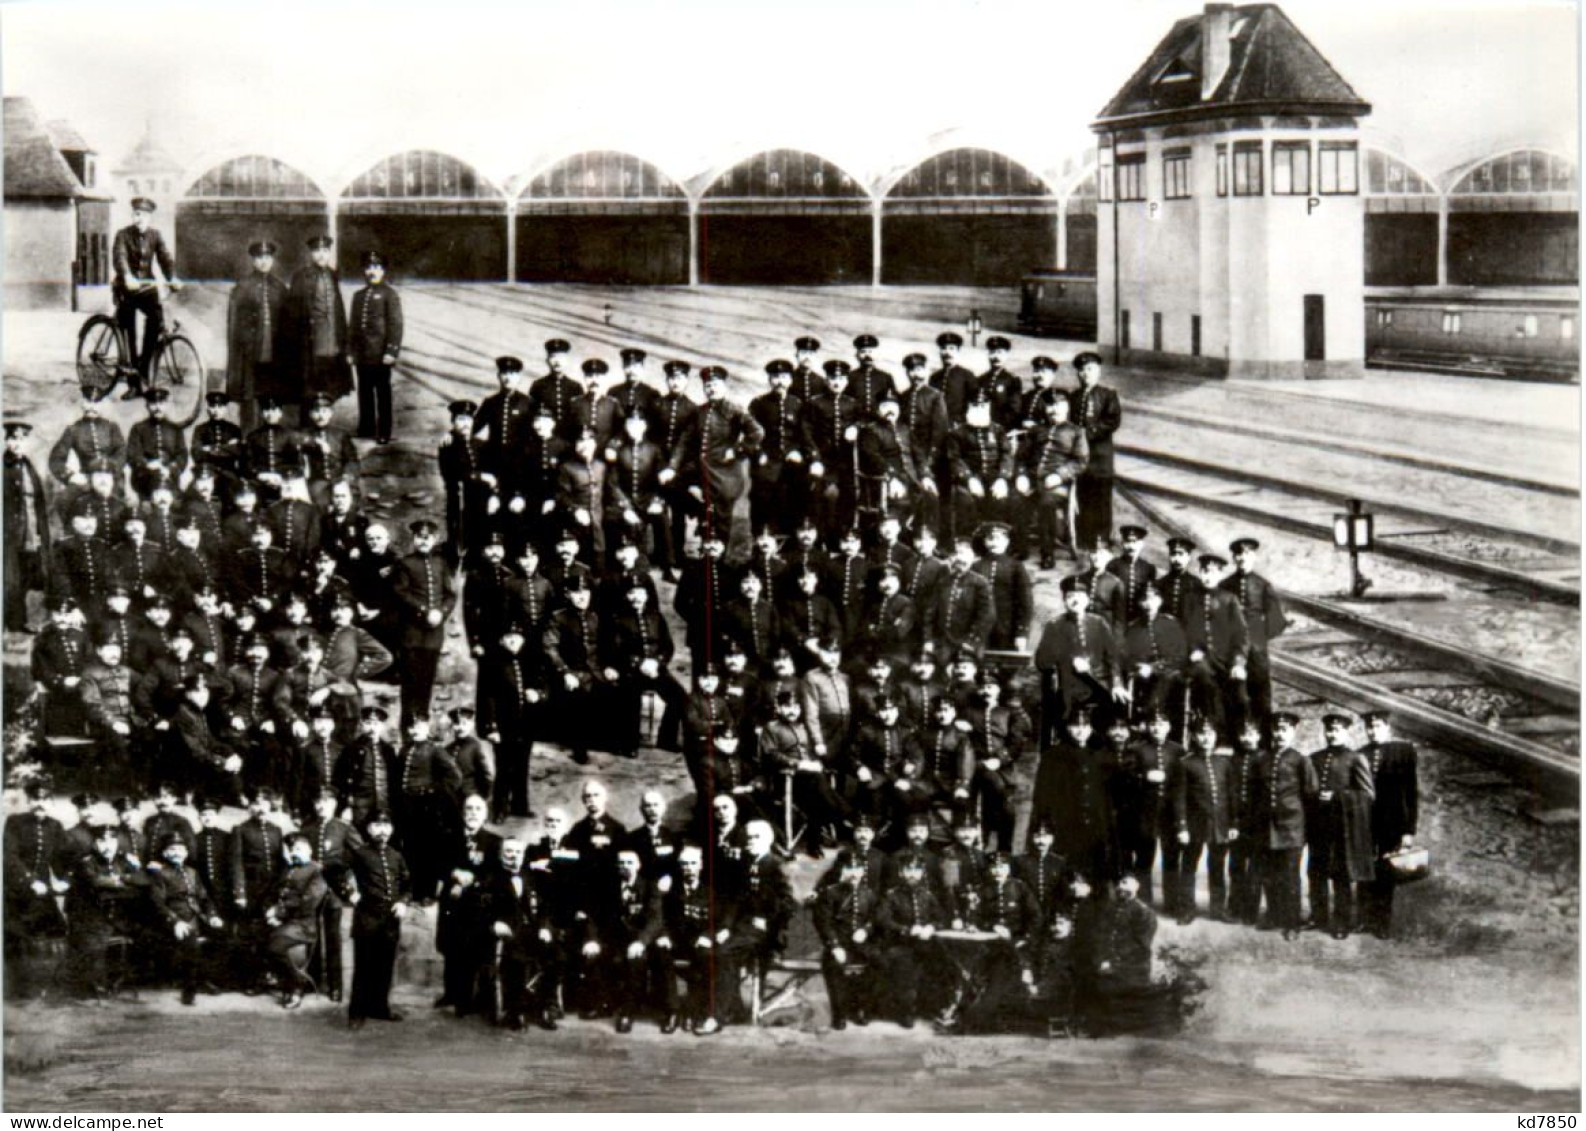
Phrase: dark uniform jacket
pixel 1215 624
pixel 1012 597
pixel 957 386
pixel 375 325
pixel 965 612
pixel 1264 616
pixel 179 895
pixel 380 876
pixel 296 903
pixel 781 417
pixel 1397 809
pixel 1132 575
pixel 256 861
pixel 842 909
pixel 297 339
pixel 923 411
pixel 621 914
pixel 424 583
pixel 89 439
pixel 1098 412
pixel 135 253
pixel 1208 785
pixel 1338 831
pixel 1281 788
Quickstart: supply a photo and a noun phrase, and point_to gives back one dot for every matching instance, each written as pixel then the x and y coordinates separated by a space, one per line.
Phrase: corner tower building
pixel 1230 233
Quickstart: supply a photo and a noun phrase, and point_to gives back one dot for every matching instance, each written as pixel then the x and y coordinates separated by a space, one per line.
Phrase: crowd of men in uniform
pixel 222 601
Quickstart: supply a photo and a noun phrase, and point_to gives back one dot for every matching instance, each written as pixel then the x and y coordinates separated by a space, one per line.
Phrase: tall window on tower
pixel 1176 174
pixel 1247 168
pixel 1291 168
pixel 1338 168
pixel 1131 176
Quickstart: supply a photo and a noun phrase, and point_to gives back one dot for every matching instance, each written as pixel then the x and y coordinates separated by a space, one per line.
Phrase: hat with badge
pixel 321 711
pixel 778 366
pixel 1240 545
pixel 1133 533
pixel 915 361
pixel 1086 357
pixel 1181 545
pixel 143 204
pixel 557 345
pixel 1285 719
pixel 676 368
pixel 321 400
pixel 420 527
pixel 595 367
pixel 156 395
pixel 949 338
pixel 1043 364
pixel 837 367
pixel 320 243
pixel 807 344
pixel 987 529
pixel 1378 716
pixel 866 342
pixel 633 355
pixel 509 364
pixel 217 398
pixel 1074 583
pixel 374 715
pixel 998 342
pixel 462 408
pixel 269 403
pixel 709 373
pixel 1336 719
pixel 1212 560
pixel 379 817
pixel 261 247
pixel 373 259
pixel 17 428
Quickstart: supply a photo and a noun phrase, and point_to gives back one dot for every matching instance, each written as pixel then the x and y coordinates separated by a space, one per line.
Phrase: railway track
pixel 1503 558
pixel 1522 722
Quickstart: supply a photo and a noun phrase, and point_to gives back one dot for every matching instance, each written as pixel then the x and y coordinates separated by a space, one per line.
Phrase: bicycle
pixel 104 358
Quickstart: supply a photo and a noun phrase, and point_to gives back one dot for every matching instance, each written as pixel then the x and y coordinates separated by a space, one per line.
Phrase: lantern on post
pixel 1353 532
pixel 974 327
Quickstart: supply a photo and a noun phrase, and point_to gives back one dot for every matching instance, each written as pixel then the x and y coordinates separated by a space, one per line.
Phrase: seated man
pixel 522 924
pixel 185 908
pixel 911 959
pixel 696 920
pixel 999 984
pixel 106 887
pixel 293 920
pixel 791 746
pixel 623 921
pixel 845 914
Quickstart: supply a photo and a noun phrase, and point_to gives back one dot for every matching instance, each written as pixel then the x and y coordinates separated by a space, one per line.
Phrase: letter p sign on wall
pixel 1312 203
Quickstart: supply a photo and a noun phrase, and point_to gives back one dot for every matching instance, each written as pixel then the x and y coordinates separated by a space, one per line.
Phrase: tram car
pixel 1527 333
pixel 1060 303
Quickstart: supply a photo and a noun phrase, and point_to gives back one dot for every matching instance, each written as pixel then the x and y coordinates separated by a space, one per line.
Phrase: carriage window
pixel 1450 322
pixel 1384 318
pixel 1566 327
pixel 1531 326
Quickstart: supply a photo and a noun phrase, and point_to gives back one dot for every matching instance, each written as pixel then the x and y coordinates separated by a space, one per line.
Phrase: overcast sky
pixel 692 83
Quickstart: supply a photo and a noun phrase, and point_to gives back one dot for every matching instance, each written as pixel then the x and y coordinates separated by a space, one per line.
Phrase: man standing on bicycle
pixel 137 250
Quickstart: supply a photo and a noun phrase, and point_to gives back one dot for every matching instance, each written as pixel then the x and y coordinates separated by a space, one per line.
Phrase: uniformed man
pixel 1078 658
pixel 1155 653
pixel 792 745
pixel 512 689
pixel 294 922
pixel 462 932
pixel 365 769
pixel 1395 814
pixel 808 383
pixel 105 891
pixel 329 454
pixel 1283 784
pixel 623 922
pixel 556 390
pixel 331 841
pixel 136 251
pixel 845 919
pixel 1149 801
pixel 60 655
pixel 584 411
pixel 1096 411
pixel 1338 831
pixel 923 411
pixel 953 381
pixel 253 335
pixel 890 476
pixel 1003 388
pixel 640 652
pixel 379 891
pixel 470 486
pixel 374 341
pixel 1219 644
pixel 965 611
pixel 87 440
pixel 982 462
pixel 833 431
pixel 27 527
pixel 912 962
pixel 517 907
pixel 531 512
pixel 1179 580
pixel 870 384
pixel 1244 857
pixel 630 397
pixel 1130 567
pixel 776 476
pixel 314 338
pixel 271 450
pixel 723 436
pixel 1206 821
pixel 636 504
pixel 1074 790
pixel 696 920
pixel 1264 620
pixel 1002 733
pixel 156 448
pixel 1013 601
pixel 503 419
pixel 37 871
pixel 426 590
pixel 675 414
pixel 1053 453
pixel 572 652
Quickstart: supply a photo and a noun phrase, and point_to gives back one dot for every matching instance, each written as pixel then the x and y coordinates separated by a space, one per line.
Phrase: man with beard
pixel 375 332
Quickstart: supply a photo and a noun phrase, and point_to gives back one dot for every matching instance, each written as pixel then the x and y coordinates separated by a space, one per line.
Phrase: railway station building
pixel 602 217
pixel 57 218
pixel 1226 160
pixel 432 215
pixel 967 217
pixel 242 199
pixel 785 217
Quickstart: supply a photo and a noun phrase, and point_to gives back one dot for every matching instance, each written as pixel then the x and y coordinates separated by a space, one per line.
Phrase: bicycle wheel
pixel 101 352
pixel 180 372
